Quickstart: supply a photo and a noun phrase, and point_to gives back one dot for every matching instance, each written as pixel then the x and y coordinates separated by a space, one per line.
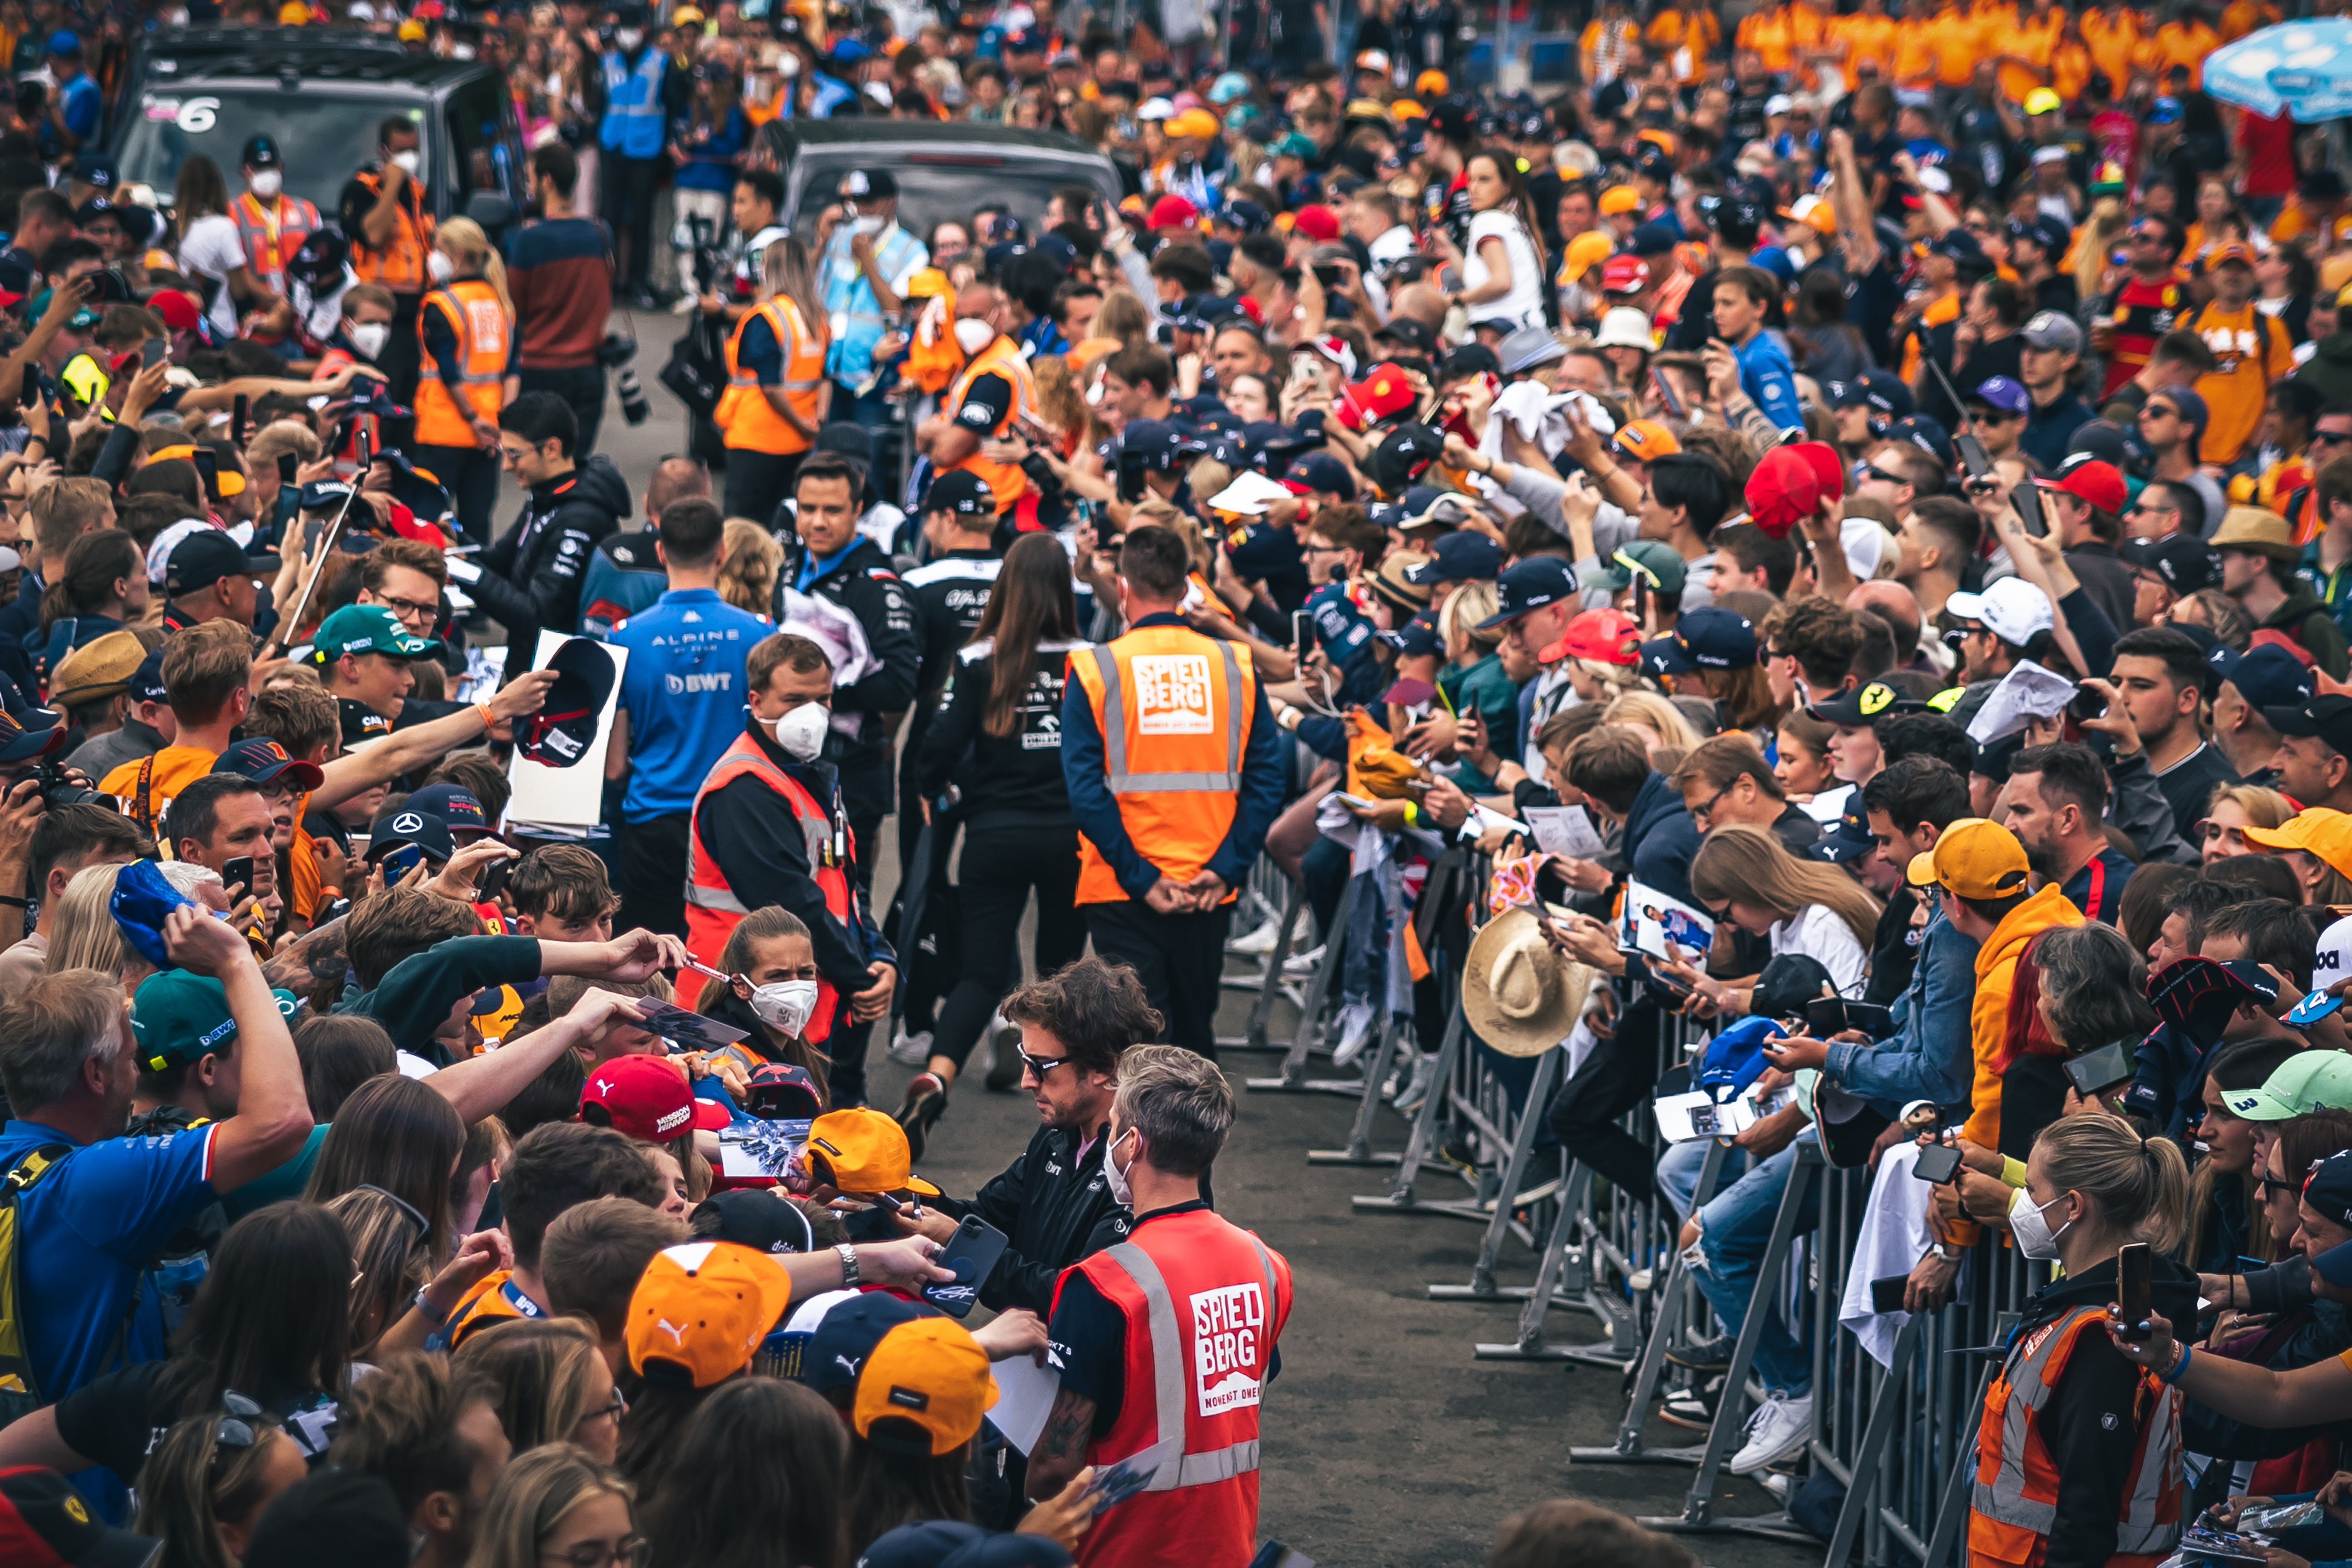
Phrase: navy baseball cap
pixel 94 169
pixel 321 495
pixel 1160 443
pixel 1246 216
pixel 1850 840
pixel 147 680
pixel 2046 232
pixel 1709 638
pixel 454 805
pixel 1417 637
pixel 1323 473
pixel 200 560
pixel 1928 434
pixel 1532 584
pixel 266 762
pixel 837 1347
pixel 2185 563
pixel 1459 557
pixel 2327 717
pixel 261 153
pixel 2267 677
pixel 961 491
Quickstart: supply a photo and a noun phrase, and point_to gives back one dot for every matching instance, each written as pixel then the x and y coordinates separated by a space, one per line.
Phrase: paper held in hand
pixel 1564 830
pixel 565 802
pixel 1652 920
pixel 2026 693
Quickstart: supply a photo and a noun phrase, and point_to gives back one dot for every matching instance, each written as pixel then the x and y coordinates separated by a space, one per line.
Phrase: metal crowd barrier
pixel 1899 1439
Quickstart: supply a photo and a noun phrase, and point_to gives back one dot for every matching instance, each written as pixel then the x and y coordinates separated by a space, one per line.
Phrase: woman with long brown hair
pixel 1502 272
pixel 998 742
pixel 1746 875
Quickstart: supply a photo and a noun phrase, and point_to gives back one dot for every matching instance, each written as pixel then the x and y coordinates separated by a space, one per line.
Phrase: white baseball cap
pixel 1155 109
pixel 2011 608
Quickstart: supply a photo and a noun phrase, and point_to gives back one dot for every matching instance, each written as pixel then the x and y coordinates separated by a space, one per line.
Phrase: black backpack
pixel 20 1392
pixel 696 370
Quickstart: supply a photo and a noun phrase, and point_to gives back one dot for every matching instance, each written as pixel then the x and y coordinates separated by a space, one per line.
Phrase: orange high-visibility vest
pixel 1172 707
pixel 1204 1302
pixel 713 910
pixel 743 414
pixel 271 235
pixel 485 335
pixel 401 266
pixel 1003 357
pixel 2015 1504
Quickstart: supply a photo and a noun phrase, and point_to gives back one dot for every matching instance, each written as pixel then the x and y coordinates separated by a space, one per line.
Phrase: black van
pixel 323 95
pixel 944 171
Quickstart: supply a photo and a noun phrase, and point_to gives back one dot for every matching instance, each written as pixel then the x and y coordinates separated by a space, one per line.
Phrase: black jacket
pixel 863 583
pixel 531 577
pixel 1056 1210
pixel 1002 780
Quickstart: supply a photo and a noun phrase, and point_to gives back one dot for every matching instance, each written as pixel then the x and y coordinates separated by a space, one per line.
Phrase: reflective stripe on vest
pixel 1114 727
pixel 401 267
pixel 1168 1364
pixel 272 235
pixel 2022 1391
pixel 485 334
pixel 744 417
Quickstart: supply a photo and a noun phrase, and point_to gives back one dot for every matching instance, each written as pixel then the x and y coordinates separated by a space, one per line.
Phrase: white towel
pixel 1893 1238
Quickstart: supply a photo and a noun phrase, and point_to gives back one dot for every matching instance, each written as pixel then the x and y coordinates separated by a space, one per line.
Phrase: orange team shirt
pixel 2239 17
pixel 2113 42
pixel 2032 43
pixel 2293 220
pixel 1596 36
pixel 1808 29
pixel 2250 349
pixel 1915 53
pixel 1768 33
pixel 1866 38
pixel 2070 69
pixel 175 769
pixel 1673 31
pixel 2186 44
pixel 1938 312
pixel 1953 35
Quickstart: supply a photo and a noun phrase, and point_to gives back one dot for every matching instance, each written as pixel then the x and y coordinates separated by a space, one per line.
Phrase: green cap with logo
pixel 178 1017
pixel 367 629
pixel 2306 1081
pixel 1655 561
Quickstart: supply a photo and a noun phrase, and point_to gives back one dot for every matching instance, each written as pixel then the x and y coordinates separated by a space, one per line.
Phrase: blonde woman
pixel 550 1384
pixel 558 1504
pixel 749 560
pixel 1474 681
pixel 789 272
pixel 2233 809
pixel 1744 874
pixel 390 1259
pixel 468 376
pixel 1658 722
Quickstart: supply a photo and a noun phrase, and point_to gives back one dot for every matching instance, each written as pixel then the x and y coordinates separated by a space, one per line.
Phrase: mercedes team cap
pixel 422 828
pixel 2183 562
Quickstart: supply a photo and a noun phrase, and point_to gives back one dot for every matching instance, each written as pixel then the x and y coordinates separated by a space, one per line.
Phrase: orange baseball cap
pixel 1975 858
pixel 232 483
pixel 1646 440
pixel 1619 199
pixel 864 1150
pixel 2231 250
pixel 1430 84
pixel 2316 831
pixel 700 1310
pixel 931 1374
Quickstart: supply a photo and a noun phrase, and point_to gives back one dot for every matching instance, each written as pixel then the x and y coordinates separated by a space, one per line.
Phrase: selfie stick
pixel 328 540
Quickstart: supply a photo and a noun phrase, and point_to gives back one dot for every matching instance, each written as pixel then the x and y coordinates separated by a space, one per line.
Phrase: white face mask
pixel 369 337
pixel 785 1006
pixel 869 224
pixel 628 37
pixel 411 160
pixel 1115 1175
pixel 461 51
pixel 2034 1237
pixel 266 182
pixel 801 731
pixel 439 265
pixel 973 334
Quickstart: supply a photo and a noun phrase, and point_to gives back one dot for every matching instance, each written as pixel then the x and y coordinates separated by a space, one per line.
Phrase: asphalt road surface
pixel 1386 1443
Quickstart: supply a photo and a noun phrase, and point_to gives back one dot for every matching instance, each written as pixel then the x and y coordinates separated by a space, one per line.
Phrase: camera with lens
pixel 614 354
pixel 57 789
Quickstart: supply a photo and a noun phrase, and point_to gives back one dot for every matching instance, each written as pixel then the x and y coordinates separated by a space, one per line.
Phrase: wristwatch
pixel 848 1265
pixel 418 1302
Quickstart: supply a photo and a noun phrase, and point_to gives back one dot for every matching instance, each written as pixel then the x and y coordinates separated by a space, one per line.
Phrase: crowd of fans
pixel 1827 507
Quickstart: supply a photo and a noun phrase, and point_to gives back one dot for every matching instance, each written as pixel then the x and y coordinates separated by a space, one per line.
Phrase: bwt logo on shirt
pixel 1172 694
pixel 1227 1324
pixel 706 680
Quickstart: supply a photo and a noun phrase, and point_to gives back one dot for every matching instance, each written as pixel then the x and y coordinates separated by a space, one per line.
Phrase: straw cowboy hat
pixel 1521 996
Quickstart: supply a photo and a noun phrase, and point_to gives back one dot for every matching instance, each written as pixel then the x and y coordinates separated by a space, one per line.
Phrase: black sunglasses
pixel 1041 1066
pixel 240 1428
pixel 408 1211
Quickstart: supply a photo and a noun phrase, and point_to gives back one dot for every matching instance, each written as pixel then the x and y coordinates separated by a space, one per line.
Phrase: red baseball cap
pixel 179 312
pixel 1829 469
pixel 1624 274
pixel 1611 637
pixel 647 1099
pixel 2088 478
pixel 1172 212
pixel 1383 391
pixel 1782 490
pixel 1317 222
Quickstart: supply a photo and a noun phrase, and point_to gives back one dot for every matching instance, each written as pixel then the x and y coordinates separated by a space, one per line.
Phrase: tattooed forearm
pixel 1061 1450
pixel 316 958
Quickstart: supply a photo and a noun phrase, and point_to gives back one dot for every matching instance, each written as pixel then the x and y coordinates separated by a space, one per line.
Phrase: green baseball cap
pixel 368 628
pixel 1655 561
pixel 179 1017
pixel 2306 1081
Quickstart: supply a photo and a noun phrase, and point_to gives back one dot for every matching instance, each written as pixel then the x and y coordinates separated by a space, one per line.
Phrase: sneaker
pixel 1416 1090
pixel 1257 943
pixel 683 305
pixel 1303 965
pixel 1358 1022
pixel 1005 1073
pixel 1781 1427
pixel 911 1050
pixel 926 1098
pixel 1782 1487
pixel 1687 1410
pixel 1710 1355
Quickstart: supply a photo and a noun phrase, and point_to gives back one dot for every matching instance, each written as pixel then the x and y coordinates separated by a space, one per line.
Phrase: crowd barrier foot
pixel 1503 1222
pixel 1292 1079
pixel 1698 1506
pixel 1400 1199
pixel 1268 981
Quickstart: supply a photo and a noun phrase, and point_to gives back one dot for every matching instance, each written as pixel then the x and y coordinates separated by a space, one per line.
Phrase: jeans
pixel 1679 1166
pixel 581 386
pixel 1735 1229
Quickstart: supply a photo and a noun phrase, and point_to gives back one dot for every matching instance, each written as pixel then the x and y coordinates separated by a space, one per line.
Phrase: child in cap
pixel 859 1154
pixel 695 1319
pixel 647 1098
